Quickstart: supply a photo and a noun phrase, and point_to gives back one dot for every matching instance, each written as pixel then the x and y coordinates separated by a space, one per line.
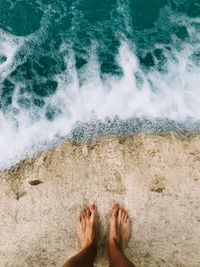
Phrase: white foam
pixel 175 97
pixel 9 46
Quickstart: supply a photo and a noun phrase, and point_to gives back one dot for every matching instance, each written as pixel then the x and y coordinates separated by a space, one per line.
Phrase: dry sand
pixel 156 178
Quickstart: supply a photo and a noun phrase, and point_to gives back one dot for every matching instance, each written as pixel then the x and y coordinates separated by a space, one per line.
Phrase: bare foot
pixel 120 228
pixel 86 227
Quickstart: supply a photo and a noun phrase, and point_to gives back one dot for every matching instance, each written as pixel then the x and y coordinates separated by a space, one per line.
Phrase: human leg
pixel 87 235
pixel 119 234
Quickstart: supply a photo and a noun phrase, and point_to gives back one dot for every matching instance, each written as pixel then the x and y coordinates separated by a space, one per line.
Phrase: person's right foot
pixel 86 227
pixel 120 228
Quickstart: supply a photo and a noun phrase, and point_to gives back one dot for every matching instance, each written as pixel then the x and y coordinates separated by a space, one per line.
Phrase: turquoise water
pixel 80 69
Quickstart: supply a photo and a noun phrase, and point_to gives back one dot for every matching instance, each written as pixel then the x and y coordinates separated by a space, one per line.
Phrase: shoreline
pixel 82 132
pixel 155 177
pixel 95 138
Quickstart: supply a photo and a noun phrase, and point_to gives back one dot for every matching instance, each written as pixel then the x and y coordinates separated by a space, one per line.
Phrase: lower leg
pixel 119 236
pixel 87 232
pixel 84 258
pixel 117 258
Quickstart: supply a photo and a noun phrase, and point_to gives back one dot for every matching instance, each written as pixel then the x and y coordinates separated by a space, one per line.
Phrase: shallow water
pixel 80 69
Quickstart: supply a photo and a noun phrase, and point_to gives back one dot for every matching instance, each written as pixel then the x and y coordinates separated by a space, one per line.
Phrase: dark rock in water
pixel 161 60
pixel 23 71
pixel 2 59
pixel 24 103
pixel 181 32
pixel 39 103
pixel 47 66
pixel 20 19
pixel 8 88
pixel 25 90
pixel 196 58
pixel 148 60
pixel 80 62
pixel 52 112
pixel 47 62
pixel 45 89
pixel 6 93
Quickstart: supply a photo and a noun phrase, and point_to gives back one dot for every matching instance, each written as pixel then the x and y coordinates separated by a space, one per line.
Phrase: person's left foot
pixel 86 227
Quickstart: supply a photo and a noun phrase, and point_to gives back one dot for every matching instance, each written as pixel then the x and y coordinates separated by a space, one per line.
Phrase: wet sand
pixel 156 178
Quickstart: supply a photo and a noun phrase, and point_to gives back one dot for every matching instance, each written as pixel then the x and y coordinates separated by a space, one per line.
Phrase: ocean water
pixel 79 69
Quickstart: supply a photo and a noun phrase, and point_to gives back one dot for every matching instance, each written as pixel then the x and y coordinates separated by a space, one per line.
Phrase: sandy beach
pixel 155 178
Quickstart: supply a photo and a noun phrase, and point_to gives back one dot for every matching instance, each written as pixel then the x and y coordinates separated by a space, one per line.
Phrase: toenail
pixel 116 206
pixel 93 207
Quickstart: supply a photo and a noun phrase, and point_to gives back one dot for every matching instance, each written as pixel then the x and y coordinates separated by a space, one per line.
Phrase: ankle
pixel 92 247
pixel 89 242
pixel 113 245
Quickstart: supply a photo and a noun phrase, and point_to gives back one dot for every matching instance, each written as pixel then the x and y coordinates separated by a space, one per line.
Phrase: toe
pixel 93 211
pixel 124 214
pixel 120 213
pixel 115 210
pixel 81 214
pixel 84 213
pixel 88 213
pixel 127 220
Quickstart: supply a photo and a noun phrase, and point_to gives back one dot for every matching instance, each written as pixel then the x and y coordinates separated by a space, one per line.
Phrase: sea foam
pixel 169 94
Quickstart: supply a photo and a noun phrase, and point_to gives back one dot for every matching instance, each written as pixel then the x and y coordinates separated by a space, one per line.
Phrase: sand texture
pixel 156 178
